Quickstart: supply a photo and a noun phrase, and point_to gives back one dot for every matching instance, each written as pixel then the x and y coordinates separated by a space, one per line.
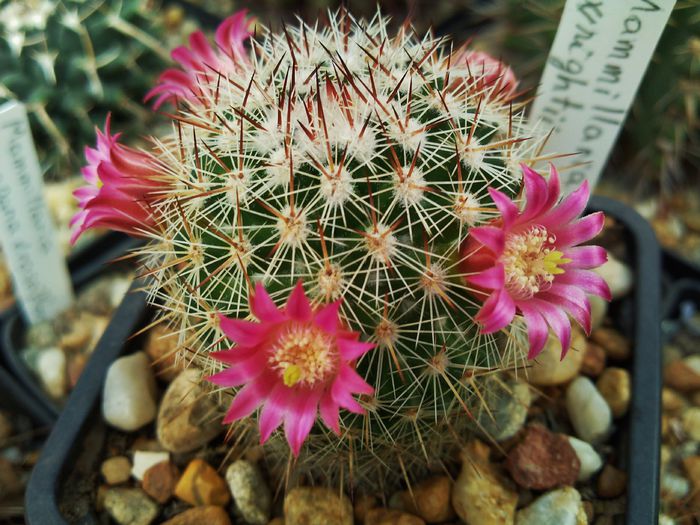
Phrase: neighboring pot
pixel 84 266
pixel 75 441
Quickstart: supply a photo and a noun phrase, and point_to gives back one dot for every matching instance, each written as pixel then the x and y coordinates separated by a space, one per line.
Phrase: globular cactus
pixel 312 204
pixel 71 62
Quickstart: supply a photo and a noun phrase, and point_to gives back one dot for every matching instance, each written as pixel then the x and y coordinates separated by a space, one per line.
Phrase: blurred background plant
pixel 73 61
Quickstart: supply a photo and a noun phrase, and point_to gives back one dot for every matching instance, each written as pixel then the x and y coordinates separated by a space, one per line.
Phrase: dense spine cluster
pixel 355 161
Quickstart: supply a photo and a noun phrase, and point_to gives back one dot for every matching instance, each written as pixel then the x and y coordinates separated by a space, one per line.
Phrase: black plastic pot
pixel 13 397
pixel 81 416
pixel 84 266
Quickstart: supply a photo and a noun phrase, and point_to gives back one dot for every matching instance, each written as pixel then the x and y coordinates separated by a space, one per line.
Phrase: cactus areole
pixel 335 234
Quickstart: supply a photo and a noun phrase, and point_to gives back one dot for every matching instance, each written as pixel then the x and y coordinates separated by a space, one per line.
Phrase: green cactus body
pixel 72 62
pixel 352 160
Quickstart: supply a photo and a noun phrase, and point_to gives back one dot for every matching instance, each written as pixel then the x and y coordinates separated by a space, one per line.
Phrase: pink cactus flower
pixel 121 184
pixel 294 362
pixel 529 262
pixel 200 61
pixel 490 74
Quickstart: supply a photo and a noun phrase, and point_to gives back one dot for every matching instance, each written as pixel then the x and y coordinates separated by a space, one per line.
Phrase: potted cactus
pixel 351 231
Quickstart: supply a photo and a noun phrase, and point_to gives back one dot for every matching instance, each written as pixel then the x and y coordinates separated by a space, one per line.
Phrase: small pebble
pixel 116 470
pixel 362 505
pixel 672 401
pixel 143 460
pixel 590 460
pixel 683 375
pixel 201 485
pixel 549 369
pixel 612 482
pixel 130 506
pixel 129 396
pixel 508 401
pixel 543 460
pixel 614 386
pixel 618 276
pixel 391 517
pixel 251 495
pixel 559 507
pixel 161 346
pixel 188 417
pixel 593 360
pixel 617 347
pixel 691 422
pixel 674 486
pixel 430 500
pixel 317 506
pixel 588 411
pixel 207 515
pixel 480 494
pixel 159 481
pixel 51 368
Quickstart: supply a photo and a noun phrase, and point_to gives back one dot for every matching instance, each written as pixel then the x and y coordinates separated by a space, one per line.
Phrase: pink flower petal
pixel 353 382
pixel 298 306
pixel 506 207
pixel 247 400
pixel 537 330
pixel 553 187
pixel 329 411
pixel 351 350
pixel 497 312
pixel 243 371
pixel 579 231
pixel 536 193
pixel 343 397
pixel 263 307
pixel 586 280
pixel 585 256
pixel 327 317
pixel 300 418
pixel 492 279
pixel 568 209
pixel 557 320
pixel 580 311
pixel 491 237
pixel 243 333
pixel 273 412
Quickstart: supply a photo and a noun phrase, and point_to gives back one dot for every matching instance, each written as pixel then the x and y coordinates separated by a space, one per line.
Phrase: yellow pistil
pixel 553 260
pixel 292 375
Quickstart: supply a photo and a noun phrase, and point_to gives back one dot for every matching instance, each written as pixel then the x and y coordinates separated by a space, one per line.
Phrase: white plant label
pixel 40 276
pixel 598 58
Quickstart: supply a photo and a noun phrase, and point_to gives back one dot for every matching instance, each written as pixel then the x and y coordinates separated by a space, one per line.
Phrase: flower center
pixel 304 354
pixel 531 261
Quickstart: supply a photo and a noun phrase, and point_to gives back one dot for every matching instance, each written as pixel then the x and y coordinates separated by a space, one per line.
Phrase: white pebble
pixel 618 276
pixel 591 462
pixel 691 423
pixel 674 485
pixel 143 460
pixel 129 396
pixel 588 411
pixel 51 367
pixel 558 507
